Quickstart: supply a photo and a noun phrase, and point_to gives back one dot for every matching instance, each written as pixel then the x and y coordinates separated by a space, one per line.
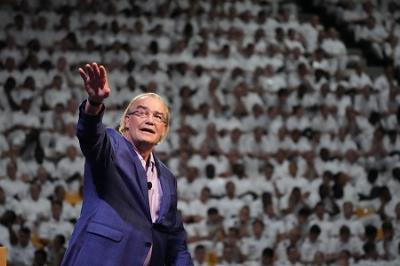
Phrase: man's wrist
pixel 94 103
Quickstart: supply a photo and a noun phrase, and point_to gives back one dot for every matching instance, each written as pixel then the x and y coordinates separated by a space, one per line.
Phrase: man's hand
pixel 96 82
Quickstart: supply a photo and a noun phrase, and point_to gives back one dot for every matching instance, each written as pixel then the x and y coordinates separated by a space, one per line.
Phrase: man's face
pixel 200 255
pixel 347 209
pixel 146 121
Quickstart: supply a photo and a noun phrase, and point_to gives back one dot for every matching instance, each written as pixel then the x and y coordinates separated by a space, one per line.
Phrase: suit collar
pixel 166 187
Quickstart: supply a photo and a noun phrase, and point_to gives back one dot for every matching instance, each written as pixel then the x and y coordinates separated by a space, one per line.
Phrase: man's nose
pixel 150 120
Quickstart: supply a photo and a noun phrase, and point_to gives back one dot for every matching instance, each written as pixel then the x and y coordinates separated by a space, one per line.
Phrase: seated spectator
pixel 6 221
pixel 54 226
pixel 197 208
pixel 268 257
pixel 291 239
pixel 200 256
pixel 313 244
pixel 189 186
pixel 208 230
pixel 322 219
pixel 56 250
pixel 254 245
pixel 34 207
pixel 359 79
pixel 233 240
pixel 8 203
pixel 387 248
pixel 70 168
pixel 230 203
pixel 345 242
pixel 22 254
pixel 228 256
pixel 294 257
pixel 335 48
pixel 370 254
pixel 40 258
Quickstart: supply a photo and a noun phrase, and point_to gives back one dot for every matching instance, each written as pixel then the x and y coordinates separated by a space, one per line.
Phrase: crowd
pixel 286 150
pixel 374 26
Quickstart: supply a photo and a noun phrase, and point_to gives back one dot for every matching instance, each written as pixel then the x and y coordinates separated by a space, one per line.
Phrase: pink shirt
pixel 155 192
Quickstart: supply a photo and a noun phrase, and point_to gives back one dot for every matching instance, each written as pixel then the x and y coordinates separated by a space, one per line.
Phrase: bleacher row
pixel 286 150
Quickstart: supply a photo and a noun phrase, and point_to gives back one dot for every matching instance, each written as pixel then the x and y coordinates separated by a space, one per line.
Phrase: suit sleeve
pixel 92 135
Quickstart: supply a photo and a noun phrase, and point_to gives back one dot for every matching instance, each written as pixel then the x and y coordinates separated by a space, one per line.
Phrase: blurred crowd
pixel 286 150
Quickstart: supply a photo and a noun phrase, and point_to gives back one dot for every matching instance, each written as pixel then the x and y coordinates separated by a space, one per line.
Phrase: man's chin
pixel 146 142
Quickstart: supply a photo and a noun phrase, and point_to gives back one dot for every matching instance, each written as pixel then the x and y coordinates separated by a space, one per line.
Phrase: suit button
pixel 147 244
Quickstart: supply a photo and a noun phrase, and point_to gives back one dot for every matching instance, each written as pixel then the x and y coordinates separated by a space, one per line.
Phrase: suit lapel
pixel 141 179
pixel 165 200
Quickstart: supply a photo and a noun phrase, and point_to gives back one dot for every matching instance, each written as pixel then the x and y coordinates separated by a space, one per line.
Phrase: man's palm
pixel 96 82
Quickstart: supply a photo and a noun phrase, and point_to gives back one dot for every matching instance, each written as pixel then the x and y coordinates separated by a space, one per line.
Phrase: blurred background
pixel 284 131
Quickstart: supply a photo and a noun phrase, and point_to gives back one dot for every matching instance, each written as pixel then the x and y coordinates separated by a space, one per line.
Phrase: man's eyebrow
pixel 145 108
pixel 141 107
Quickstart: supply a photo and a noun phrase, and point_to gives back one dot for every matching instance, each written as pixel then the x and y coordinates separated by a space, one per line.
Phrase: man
pixel 129 214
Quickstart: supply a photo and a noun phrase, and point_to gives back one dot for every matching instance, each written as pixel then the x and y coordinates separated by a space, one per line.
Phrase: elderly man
pixel 129 214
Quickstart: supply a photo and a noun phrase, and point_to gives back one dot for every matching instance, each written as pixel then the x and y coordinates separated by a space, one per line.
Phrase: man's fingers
pixel 90 72
pixel 96 70
pixel 103 73
pixel 83 75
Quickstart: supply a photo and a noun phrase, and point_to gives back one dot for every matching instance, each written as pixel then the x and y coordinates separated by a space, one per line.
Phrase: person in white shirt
pixel 69 168
pixel 293 179
pixel 12 183
pixel 228 256
pixel 5 236
pixel 388 246
pixel 311 30
pixel 8 203
pixel 272 81
pixel 189 186
pixel 56 250
pixel 367 101
pixel 209 138
pixel 22 253
pixel 45 180
pixel 56 92
pixel 207 231
pixel 294 257
pixel 254 245
pixel 49 229
pixel 230 203
pixel 200 256
pixel 372 34
pixel 349 219
pixel 312 244
pixel 335 48
pixel 198 207
pixel 268 257
pixel 322 219
pixel 359 79
pixel 66 138
pixel 345 242
pixel 34 207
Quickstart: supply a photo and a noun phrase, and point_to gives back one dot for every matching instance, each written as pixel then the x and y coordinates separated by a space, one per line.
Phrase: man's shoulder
pixel 114 134
pixel 164 170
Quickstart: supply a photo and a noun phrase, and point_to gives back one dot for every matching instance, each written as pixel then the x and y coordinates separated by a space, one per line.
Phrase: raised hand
pixel 96 82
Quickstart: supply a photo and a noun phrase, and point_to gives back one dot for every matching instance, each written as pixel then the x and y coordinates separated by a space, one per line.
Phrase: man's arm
pixel 96 85
pixel 90 130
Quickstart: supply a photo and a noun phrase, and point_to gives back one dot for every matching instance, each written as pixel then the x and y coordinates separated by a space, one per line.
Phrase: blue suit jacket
pixel 115 226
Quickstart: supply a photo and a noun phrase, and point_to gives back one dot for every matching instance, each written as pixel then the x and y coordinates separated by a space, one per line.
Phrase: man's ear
pixel 126 120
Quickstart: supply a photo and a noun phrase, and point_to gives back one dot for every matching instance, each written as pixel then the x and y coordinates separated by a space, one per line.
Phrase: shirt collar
pixel 144 163
pixel 152 161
